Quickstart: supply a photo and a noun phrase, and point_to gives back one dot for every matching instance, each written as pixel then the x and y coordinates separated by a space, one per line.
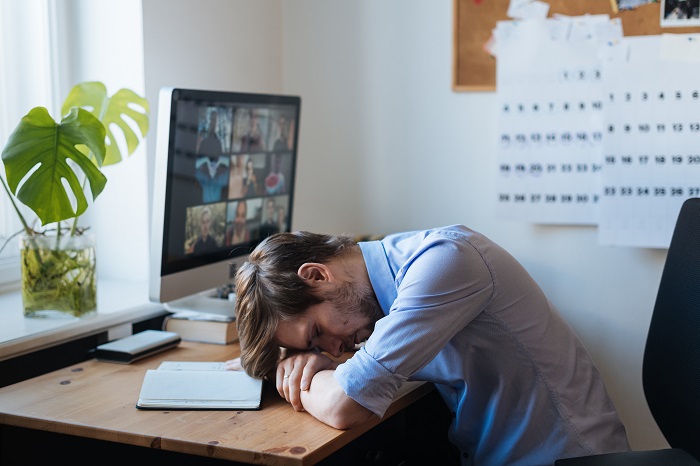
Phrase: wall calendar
pixel 596 128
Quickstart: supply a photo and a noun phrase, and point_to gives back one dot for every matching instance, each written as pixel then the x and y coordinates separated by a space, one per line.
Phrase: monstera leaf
pixel 38 152
pixel 111 111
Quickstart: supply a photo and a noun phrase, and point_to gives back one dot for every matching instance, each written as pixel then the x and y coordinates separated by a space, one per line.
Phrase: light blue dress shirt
pixel 462 313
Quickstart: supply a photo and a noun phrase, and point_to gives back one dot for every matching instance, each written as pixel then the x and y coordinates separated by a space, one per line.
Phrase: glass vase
pixel 59 275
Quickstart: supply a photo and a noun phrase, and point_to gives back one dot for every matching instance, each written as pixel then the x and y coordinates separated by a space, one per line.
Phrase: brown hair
pixel 269 290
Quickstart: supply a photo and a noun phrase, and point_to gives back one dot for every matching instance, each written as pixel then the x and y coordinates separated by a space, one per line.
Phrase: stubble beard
pixel 353 299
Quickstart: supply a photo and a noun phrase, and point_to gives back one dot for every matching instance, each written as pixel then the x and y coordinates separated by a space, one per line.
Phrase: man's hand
pixel 233 365
pixel 326 401
pixel 294 374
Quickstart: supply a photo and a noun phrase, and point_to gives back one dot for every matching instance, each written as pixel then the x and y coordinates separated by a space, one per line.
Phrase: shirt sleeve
pixel 440 289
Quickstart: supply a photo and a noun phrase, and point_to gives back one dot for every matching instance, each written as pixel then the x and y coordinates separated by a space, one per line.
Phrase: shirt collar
pixel 380 274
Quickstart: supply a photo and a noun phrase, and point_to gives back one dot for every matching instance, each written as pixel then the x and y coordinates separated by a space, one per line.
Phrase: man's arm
pixel 326 401
pixel 305 379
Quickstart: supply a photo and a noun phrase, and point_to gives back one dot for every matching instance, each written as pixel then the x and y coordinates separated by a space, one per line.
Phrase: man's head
pixel 239 222
pixel 284 127
pixel 213 120
pixel 205 222
pixel 250 167
pixel 270 210
pixel 281 217
pixel 302 291
pixel 253 123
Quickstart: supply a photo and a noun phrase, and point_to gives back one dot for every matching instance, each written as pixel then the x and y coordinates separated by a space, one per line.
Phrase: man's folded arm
pixel 326 401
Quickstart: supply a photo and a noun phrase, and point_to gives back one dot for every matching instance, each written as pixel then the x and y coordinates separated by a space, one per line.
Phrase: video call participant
pixel 282 143
pixel 212 167
pixel 269 225
pixel 211 144
pixel 237 232
pixel 205 242
pixel 235 183
pixel 252 140
pixel 250 181
pixel 274 181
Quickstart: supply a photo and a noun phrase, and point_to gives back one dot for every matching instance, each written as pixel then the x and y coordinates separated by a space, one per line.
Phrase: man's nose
pixel 332 345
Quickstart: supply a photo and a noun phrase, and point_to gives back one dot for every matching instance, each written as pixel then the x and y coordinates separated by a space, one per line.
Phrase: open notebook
pixel 198 385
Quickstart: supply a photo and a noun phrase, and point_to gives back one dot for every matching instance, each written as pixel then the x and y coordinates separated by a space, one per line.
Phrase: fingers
pixel 233 365
pixel 287 381
pixel 309 370
pixel 279 379
pixel 294 390
pixel 294 375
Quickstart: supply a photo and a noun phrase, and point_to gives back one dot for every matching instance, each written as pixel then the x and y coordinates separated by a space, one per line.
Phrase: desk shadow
pixel 416 436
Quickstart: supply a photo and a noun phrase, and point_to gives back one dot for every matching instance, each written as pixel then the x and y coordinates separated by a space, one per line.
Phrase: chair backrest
pixel 671 368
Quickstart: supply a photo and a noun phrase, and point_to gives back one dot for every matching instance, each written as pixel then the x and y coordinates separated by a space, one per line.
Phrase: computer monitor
pixel 224 180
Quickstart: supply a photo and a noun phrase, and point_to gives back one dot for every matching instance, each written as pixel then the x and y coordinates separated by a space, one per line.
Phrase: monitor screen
pixel 224 181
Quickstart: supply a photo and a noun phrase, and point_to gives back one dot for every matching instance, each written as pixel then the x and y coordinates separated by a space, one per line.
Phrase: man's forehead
pixel 293 333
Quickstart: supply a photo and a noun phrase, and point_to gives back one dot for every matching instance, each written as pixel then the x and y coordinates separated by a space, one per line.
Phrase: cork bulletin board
pixel 474 69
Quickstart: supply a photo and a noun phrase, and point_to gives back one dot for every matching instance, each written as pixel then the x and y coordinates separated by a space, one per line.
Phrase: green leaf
pixel 113 112
pixel 91 96
pixel 39 141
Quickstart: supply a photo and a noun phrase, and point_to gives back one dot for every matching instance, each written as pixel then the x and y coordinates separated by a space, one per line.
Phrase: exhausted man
pixel 447 306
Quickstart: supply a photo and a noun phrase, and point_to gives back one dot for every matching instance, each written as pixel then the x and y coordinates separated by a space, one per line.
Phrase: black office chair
pixel 671 365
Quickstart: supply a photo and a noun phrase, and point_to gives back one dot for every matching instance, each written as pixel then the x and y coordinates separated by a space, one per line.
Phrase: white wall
pixel 102 41
pixel 386 145
pixel 228 45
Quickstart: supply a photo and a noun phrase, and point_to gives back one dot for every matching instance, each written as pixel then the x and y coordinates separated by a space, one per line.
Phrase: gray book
pixel 137 346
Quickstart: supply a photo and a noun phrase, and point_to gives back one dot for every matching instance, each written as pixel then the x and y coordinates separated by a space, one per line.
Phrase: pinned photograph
pixel 680 13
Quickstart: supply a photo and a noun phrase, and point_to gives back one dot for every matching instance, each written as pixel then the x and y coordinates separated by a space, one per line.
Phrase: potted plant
pixel 53 168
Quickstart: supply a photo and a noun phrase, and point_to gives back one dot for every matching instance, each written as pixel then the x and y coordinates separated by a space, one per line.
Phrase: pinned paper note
pixel 527 9
pixel 681 47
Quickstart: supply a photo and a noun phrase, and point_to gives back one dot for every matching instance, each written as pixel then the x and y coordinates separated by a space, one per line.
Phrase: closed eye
pixel 312 337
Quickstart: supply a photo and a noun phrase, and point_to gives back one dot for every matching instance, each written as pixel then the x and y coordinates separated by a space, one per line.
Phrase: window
pixel 27 80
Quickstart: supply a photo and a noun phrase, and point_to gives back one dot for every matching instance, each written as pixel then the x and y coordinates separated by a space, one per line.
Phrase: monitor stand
pixel 208 302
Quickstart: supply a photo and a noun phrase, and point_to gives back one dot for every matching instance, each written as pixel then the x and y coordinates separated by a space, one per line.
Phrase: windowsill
pixel 118 303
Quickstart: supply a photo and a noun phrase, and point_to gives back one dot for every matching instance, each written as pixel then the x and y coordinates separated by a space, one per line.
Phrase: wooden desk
pixel 97 400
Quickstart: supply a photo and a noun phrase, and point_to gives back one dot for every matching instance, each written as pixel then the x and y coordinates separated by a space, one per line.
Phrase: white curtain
pixel 28 78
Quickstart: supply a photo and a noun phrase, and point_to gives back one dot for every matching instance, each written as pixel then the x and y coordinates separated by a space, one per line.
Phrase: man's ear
pixel 314 272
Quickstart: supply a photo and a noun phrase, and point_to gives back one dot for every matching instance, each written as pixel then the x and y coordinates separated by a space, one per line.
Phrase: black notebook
pixel 198 385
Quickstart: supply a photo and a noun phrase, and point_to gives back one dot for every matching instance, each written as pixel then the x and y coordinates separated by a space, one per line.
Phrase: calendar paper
pixel 651 144
pixel 597 128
